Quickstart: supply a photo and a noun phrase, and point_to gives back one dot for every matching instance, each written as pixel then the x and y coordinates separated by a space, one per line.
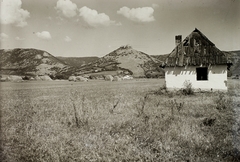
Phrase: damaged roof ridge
pixel 202 35
pixel 207 53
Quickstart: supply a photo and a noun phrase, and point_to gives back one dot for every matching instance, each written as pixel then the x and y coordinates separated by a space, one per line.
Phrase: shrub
pixel 222 102
pixel 161 90
pixel 80 113
pixel 209 121
pixel 188 89
pixel 174 105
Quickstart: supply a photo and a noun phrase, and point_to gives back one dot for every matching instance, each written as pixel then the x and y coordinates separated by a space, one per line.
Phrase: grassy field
pixel 117 121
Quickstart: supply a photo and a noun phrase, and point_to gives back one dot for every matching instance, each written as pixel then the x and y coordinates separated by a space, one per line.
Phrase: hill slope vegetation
pixel 30 62
pixel 126 60
pixel 234 57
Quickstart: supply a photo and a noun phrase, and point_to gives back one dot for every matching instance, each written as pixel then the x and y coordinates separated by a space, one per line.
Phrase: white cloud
pixel 20 39
pixel 94 19
pixel 144 14
pixel 67 7
pixel 44 35
pixel 12 13
pixel 3 36
pixel 67 39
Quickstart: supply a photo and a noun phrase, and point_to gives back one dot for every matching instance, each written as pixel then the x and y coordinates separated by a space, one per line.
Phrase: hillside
pixel 160 58
pixel 77 61
pixel 30 62
pixel 122 61
pixel 234 56
pixel 125 60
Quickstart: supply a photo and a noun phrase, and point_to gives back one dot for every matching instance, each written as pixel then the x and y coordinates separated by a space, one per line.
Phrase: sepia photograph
pixel 119 80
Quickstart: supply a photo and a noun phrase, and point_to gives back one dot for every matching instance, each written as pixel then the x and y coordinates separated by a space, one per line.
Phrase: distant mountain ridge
pixel 124 60
pixel 30 61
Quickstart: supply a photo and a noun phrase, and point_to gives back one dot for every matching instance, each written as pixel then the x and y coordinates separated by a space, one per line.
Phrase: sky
pixel 82 28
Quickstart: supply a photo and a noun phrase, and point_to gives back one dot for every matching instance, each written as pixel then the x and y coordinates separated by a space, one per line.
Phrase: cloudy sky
pixel 96 27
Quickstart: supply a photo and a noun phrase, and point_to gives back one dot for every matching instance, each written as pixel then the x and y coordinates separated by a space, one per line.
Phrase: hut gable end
pixel 196 49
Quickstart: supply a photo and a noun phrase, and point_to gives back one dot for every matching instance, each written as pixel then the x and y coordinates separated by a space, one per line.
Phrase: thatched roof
pixel 196 49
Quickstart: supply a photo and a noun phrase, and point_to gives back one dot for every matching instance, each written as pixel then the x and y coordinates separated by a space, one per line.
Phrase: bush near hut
pixel 235 77
pixel 188 88
pixel 154 74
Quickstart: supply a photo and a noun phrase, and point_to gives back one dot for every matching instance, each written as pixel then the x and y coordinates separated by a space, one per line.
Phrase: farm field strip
pixel 116 121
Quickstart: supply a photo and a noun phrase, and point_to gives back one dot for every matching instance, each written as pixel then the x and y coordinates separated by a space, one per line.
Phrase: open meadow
pixel 134 120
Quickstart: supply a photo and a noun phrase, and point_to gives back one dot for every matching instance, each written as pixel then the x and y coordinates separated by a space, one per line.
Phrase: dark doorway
pixel 202 73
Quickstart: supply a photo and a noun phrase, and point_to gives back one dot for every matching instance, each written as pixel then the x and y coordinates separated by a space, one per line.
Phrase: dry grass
pixel 118 121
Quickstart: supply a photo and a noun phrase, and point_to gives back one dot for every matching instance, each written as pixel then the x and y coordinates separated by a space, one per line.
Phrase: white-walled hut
pixel 196 60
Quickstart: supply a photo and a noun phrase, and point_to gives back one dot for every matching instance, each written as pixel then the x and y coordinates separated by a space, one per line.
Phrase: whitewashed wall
pixel 217 77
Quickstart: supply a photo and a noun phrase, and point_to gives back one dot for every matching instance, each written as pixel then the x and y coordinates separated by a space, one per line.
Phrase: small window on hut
pixel 202 73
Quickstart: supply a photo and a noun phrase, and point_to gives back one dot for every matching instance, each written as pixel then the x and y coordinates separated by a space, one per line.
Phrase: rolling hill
pixel 30 62
pixel 160 58
pixel 122 61
pixel 125 60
